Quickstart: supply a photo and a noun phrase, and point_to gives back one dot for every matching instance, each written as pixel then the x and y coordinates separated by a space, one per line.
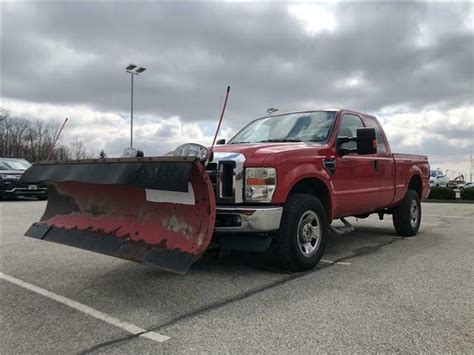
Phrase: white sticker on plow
pixel 181 198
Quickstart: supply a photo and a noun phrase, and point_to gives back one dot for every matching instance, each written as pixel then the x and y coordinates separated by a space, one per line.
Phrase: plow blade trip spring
pixel 157 211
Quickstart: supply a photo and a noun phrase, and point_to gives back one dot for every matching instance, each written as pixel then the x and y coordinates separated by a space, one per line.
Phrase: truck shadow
pixel 215 281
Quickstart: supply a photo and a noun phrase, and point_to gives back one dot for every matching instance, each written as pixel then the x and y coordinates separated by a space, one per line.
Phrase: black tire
pixel 404 215
pixel 286 246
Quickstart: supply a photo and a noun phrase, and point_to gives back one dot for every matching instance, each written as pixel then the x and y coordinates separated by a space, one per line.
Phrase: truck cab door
pixel 354 176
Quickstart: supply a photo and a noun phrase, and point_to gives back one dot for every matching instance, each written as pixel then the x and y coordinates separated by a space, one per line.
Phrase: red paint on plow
pixel 123 212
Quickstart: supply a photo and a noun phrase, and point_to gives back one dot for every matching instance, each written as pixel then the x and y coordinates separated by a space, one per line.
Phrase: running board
pixel 347 228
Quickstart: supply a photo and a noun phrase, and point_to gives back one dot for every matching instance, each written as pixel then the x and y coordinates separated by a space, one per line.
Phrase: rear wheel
pixel 301 240
pixel 407 215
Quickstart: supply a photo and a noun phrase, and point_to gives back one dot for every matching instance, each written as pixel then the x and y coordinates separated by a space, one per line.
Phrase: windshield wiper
pixel 280 140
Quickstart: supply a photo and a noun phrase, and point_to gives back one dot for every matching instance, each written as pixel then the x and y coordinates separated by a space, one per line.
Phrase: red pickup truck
pixel 277 184
pixel 286 177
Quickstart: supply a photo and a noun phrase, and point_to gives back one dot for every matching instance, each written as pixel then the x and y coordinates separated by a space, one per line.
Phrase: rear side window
pixel 348 128
pixel 381 144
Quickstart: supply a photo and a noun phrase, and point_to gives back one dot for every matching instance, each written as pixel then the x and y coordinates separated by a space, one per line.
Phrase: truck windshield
pixel 293 127
pixel 15 164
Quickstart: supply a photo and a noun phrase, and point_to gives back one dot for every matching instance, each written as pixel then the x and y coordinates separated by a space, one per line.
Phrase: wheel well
pixel 316 188
pixel 415 184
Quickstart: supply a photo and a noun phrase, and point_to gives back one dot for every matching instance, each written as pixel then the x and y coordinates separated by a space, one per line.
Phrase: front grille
pixel 222 179
pixel 226 180
pixel 226 172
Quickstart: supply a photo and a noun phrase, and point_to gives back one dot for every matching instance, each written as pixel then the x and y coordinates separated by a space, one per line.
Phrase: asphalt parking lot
pixel 374 292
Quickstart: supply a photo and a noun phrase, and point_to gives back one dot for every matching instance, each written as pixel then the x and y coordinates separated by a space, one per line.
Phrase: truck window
pixel 381 145
pixel 348 128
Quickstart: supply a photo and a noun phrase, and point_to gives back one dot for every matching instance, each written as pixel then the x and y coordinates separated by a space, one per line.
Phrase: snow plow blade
pixel 157 211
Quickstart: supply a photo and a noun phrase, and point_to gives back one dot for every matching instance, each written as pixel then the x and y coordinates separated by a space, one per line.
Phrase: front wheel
pixel 407 215
pixel 301 240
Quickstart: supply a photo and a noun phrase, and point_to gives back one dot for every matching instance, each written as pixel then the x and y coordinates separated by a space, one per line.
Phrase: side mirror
pixel 220 141
pixel 366 141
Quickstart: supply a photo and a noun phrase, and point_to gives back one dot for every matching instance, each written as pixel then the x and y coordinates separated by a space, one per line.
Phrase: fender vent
pixel 330 165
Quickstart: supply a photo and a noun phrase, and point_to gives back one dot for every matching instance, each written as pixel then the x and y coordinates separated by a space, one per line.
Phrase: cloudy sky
pixel 411 64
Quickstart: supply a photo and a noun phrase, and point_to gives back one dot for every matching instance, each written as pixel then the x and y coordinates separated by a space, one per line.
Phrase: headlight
pixel 10 177
pixel 260 184
pixel 192 150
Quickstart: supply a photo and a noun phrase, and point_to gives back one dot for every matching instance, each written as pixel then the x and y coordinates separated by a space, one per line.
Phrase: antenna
pixel 271 110
pixel 211 154
pixel 56 139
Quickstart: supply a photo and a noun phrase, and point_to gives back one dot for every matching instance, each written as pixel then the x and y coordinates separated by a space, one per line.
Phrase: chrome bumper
pixel 25 190
pixel 252 219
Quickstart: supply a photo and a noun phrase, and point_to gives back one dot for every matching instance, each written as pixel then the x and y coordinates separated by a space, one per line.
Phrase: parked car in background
pixel 438 178
pixel 457 183
pixel 469 185
pixel 10 185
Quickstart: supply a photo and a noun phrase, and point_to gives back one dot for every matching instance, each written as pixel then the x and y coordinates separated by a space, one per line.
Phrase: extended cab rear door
pixel 384 165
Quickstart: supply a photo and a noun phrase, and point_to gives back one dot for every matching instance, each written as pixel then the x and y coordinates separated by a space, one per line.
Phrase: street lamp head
pixel 130 67
pixel 134 69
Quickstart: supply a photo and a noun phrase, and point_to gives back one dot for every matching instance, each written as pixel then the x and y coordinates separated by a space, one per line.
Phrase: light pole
pixel 133 70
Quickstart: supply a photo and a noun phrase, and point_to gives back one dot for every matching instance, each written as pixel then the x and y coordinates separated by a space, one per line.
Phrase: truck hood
pixel 259 154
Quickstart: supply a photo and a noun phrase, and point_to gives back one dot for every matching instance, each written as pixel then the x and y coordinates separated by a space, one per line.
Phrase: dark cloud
pixel 390 59
pixel 74 53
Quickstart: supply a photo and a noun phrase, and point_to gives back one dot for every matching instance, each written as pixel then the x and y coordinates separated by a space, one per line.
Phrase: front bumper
pixel 248 219
pixel 21 191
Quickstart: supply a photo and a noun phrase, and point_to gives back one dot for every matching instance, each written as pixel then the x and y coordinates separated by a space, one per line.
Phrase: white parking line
pixel 334 262
pixel 128 327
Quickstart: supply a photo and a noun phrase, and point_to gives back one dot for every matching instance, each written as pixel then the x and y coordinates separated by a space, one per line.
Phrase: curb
pixel 447 201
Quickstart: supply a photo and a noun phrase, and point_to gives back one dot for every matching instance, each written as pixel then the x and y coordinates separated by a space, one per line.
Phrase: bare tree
pixel 28 139
pixel 4 114
pixel 79 151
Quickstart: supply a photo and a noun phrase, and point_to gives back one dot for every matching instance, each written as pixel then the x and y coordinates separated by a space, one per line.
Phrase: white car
pixel 438 178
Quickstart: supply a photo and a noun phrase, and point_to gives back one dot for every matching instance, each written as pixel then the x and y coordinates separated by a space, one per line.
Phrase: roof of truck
pixel 316 110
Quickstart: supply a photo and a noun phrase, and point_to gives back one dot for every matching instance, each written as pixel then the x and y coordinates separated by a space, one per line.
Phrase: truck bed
pixel 405 166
